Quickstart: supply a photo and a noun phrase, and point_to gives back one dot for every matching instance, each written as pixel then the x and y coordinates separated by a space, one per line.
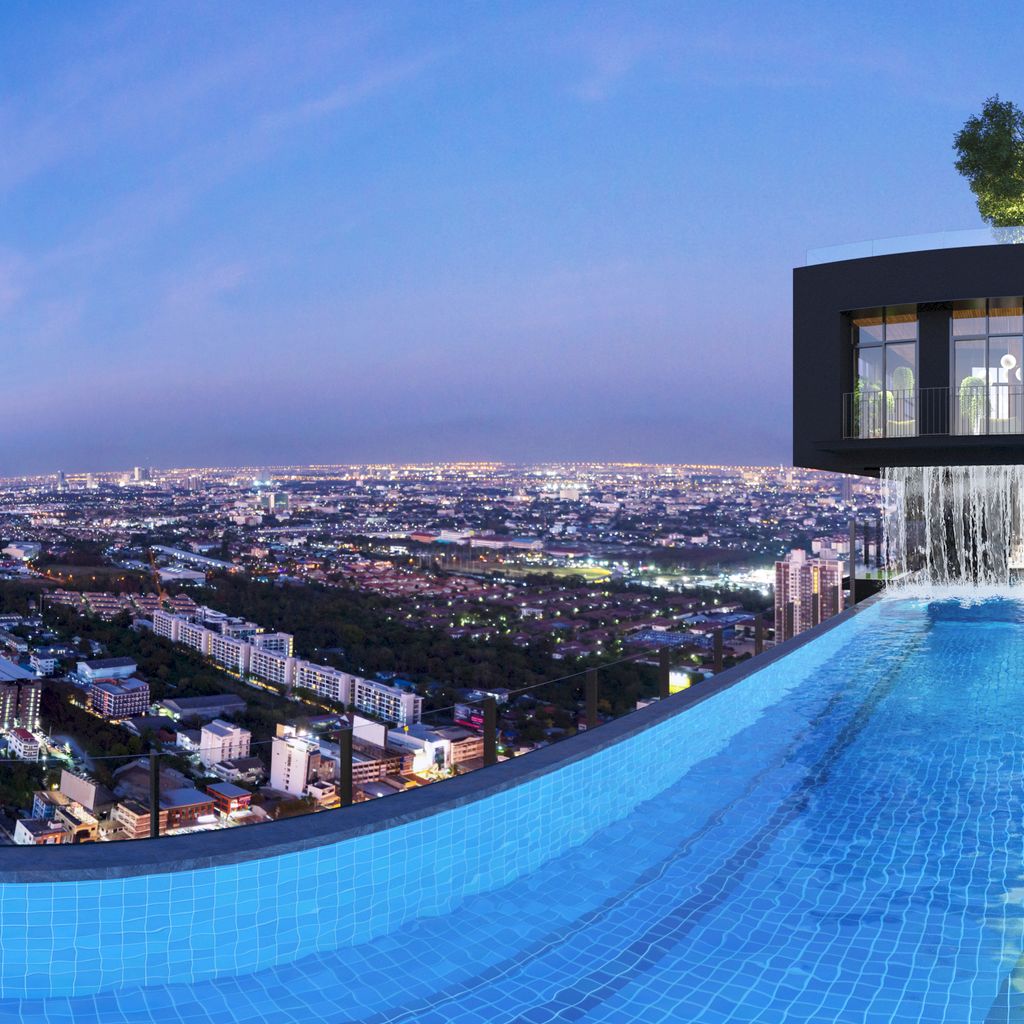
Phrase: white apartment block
pixel 230 653
pixel 387 702
pixel 167 625
pixel 277 643
pixel 271 668
pixel 294 762
pixel 325 681
pixel 239 629
pixel 223 741
pixel 196 637
pixel 242 648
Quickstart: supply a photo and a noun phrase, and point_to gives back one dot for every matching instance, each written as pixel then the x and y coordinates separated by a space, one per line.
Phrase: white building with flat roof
pixel 23 550
pixel 167 625
pixel 230 653
pixel 223 741
pixel 324 681
pixel 278 669
pixel 196 637
pixel 387 702
pixel 277 643
pixel 294 761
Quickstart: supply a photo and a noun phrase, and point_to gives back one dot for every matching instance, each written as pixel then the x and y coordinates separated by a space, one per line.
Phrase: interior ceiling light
pixel 1009 361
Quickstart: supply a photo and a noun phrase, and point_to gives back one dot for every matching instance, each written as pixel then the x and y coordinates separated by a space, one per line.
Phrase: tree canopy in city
pixel 990 155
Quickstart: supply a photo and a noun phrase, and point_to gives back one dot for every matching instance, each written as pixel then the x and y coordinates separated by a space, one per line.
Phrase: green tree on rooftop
pixel 990 155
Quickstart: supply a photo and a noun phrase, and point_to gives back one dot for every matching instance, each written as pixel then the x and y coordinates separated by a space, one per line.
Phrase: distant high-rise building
pixel 807 591
pixel 61 482
pixel 274 501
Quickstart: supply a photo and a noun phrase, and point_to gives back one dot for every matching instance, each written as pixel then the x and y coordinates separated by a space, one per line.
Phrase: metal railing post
pixel 154 794
pixel 345 767
pixel 592 698
pixel 664 673
pixel 853 562
pixel 759 634
pixel 490 731
pixel 719 653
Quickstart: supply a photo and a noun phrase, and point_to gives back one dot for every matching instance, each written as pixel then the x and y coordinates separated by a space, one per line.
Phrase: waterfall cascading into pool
pixel 953 526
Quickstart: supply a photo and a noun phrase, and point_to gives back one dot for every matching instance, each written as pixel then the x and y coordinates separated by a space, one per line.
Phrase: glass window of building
pixel 988 353
pixel 884 399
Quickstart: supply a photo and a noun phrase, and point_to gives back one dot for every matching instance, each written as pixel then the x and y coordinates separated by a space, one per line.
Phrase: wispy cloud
pixel 609 57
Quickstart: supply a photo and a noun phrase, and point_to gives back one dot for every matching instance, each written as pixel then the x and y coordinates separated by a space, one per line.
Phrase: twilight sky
pixel 264 233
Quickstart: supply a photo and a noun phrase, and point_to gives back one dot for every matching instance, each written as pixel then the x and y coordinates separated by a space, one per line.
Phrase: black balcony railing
pixel 972 409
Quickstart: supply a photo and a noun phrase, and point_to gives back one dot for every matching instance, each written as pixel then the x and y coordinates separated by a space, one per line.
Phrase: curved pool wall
pixel 81 920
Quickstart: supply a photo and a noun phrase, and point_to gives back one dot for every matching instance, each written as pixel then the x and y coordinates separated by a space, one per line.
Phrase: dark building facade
pixel 913 359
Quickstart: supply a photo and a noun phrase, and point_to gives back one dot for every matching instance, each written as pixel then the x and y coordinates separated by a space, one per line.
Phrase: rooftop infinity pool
pixel 836 837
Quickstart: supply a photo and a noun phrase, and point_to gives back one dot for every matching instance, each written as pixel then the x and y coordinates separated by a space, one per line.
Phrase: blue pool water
pixel 841 841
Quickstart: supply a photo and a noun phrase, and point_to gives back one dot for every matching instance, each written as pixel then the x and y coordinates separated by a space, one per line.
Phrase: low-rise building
pixel 23 744
pixel 131 818
pixel 248 770
pixel 228 798
pixel 223 741
pixel 22 550
pixel 43 664
pixel 203 708
pixel 429 747
pixel 117 699
pixel 79 825
pixel 294 761
pixel 92 795
pixel 185 807
pixel 106 668
pixel 39 832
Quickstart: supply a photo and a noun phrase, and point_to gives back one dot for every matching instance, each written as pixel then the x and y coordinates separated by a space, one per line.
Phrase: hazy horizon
pixel 76 472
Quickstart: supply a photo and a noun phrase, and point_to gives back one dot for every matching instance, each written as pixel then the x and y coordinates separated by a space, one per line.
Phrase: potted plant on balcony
pixel 901 413
pixel 972 399
pixel 867 409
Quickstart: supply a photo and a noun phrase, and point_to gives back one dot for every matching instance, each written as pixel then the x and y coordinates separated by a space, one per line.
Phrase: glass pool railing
pixel 915 243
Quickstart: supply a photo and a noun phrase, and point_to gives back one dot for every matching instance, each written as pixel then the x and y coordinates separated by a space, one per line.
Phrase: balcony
pixel 968 411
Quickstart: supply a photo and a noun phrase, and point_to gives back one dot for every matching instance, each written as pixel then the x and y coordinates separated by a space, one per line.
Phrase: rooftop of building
pixel 40 826
pixel 959 239
pixel 228 790
pixel 184 797
pixel 215 700
pixel 101 664
pixel 116 686
pixel 11 673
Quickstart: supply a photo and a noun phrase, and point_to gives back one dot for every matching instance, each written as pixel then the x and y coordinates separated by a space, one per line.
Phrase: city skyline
pixel 541 232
